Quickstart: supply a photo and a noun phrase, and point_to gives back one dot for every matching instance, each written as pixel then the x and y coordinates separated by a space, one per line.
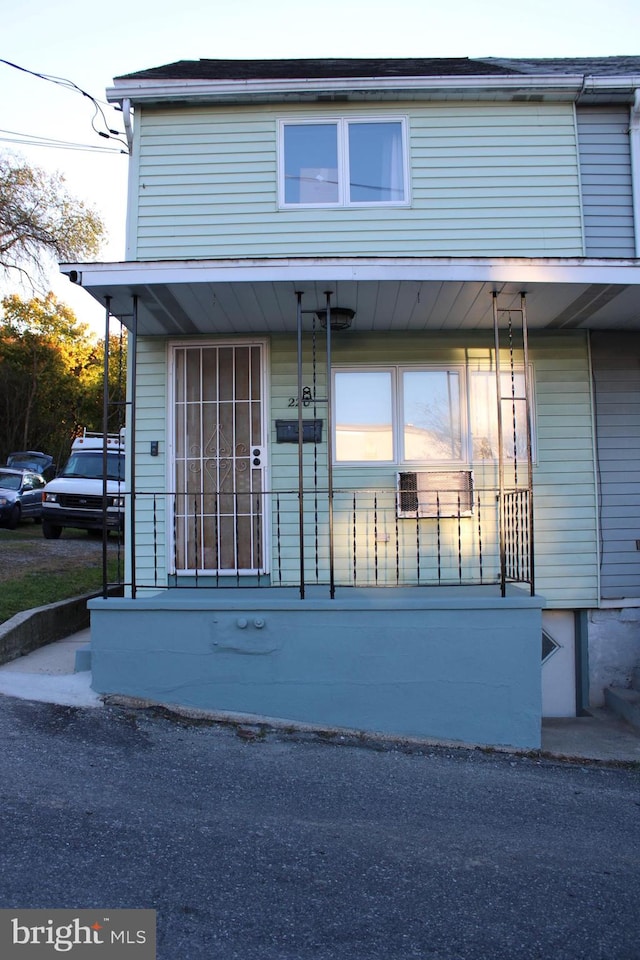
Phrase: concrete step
pixel 625 703
pixel 82 659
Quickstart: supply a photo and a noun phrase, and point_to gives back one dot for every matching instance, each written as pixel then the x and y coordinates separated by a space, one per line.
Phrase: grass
pixel 29 579
pixel 38 589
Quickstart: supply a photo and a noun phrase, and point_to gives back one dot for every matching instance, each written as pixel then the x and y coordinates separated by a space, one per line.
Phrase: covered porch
pixel 362 605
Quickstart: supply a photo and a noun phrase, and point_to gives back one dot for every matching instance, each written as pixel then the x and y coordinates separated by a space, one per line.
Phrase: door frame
pixel 204 342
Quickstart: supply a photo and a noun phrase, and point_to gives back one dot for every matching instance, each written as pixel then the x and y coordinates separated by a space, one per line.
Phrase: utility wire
pixel 70 85
pixel 35 141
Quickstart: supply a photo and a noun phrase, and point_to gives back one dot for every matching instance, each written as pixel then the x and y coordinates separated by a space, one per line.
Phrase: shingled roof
pixel 375 67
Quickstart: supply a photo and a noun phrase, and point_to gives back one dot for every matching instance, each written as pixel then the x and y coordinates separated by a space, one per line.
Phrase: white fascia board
pixel 521 271
pixel 628 82
pixel 158 91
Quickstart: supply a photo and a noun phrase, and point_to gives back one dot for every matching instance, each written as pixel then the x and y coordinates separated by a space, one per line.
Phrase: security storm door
pixel 219 459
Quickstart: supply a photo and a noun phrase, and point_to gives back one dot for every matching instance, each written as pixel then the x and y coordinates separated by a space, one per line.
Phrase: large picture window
pixel 434 415
pixel 343 162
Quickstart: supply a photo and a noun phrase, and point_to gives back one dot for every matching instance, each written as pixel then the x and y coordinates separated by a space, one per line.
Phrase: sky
pixel 89 44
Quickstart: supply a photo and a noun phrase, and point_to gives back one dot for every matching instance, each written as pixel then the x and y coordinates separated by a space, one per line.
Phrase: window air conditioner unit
pixel 435 494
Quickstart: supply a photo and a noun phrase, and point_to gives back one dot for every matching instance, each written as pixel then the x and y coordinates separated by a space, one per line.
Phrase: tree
pixel 38 215
pixel 51 377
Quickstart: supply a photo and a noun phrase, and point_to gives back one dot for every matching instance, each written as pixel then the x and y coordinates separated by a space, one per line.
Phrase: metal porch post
pixel 130 441
pixel 105 431
pixel 503 558
pixel 300 449
pixel 332 584
pixel 525 351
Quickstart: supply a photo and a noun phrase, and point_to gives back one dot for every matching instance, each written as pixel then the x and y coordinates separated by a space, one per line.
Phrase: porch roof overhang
pixel 249 296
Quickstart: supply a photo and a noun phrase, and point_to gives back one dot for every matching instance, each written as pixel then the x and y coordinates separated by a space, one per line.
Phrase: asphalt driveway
pixel 262 847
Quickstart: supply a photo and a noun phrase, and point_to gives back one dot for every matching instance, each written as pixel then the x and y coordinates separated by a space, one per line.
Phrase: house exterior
pixel 382 427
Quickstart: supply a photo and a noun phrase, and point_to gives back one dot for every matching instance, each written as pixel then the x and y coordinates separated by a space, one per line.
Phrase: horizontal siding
pixel 616 370
pixel 151 425
pixel 564 479
pixel 486 179
pixel 605 171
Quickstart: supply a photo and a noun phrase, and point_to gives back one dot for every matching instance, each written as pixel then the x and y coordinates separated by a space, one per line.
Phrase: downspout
pixel 126 119
pixel 634 142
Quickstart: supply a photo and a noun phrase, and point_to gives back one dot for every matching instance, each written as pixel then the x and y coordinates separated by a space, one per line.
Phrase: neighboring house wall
pixel 564 476
pixel 616 375
pixel 614 630
pixel 487 179
pixel 605 173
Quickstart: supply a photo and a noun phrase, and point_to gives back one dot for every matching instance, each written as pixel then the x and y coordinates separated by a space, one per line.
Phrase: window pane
pixel 431 405
pixel 484 416
pixel 363 416
pixel 376 166
pixel 311 163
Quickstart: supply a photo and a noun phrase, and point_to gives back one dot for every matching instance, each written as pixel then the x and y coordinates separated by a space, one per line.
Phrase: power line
pixel 35 141
pixel 108 133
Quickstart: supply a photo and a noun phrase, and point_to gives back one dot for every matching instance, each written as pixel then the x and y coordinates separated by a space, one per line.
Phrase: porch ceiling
pixel 241 297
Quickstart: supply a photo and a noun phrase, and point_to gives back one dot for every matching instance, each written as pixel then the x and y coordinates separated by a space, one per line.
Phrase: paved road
pixel 277 848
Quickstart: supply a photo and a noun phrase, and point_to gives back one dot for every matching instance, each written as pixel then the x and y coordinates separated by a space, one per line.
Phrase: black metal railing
pixel 367 539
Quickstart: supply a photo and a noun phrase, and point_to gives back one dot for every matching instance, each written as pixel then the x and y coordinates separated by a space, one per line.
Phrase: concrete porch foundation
pixel 449 664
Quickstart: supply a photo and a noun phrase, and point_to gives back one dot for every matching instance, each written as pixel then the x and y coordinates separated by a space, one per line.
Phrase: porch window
pixel 431 427
pixel 484 415
pixel 398 414
pixel 428 415
pixel 364 415
pixel 343 162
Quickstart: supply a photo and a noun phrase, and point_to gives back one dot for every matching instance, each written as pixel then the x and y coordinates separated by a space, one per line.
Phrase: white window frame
pixel 397 413
pixel 465 373
pixel 530 382
pixel 342 136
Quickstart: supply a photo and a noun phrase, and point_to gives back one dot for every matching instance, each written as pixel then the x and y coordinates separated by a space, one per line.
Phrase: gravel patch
pixel 26 549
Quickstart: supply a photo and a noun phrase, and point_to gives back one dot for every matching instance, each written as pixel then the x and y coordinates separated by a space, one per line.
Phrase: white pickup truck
pixel 76 497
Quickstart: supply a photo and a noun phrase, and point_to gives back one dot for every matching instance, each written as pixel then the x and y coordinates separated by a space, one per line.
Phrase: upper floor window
pixel 343 162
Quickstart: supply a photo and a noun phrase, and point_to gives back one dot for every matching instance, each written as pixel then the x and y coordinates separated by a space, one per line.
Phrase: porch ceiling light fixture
pixel 341 317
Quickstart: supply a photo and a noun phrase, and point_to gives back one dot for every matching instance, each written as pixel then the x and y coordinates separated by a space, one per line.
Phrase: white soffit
pixel 249 296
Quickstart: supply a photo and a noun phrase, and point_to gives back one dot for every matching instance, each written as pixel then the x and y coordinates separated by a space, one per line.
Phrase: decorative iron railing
pixel 354 538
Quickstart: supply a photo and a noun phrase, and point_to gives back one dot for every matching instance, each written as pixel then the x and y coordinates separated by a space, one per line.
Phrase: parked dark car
pixel 20 496
pixel 33 460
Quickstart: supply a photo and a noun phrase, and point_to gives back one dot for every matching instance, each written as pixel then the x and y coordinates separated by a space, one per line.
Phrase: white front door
pixel 219 458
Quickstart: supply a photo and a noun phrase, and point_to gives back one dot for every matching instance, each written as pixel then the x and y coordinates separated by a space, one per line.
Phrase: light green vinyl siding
pixel 564 478
pixel 151 425
pixel 486 180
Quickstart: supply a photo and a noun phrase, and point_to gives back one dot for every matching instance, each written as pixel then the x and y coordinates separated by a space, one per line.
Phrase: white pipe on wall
pixel 634 139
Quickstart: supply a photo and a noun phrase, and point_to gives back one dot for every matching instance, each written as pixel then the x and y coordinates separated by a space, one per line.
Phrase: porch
pixel 347 599
pixel 454 663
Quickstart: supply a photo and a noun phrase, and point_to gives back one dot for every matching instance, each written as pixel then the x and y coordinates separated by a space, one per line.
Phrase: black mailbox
pixel 287 431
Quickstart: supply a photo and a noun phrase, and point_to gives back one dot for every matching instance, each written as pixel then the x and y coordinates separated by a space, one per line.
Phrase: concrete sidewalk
pixel 48 675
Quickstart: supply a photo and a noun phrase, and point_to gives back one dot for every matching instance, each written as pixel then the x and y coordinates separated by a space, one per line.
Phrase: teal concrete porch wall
pixel 456 669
